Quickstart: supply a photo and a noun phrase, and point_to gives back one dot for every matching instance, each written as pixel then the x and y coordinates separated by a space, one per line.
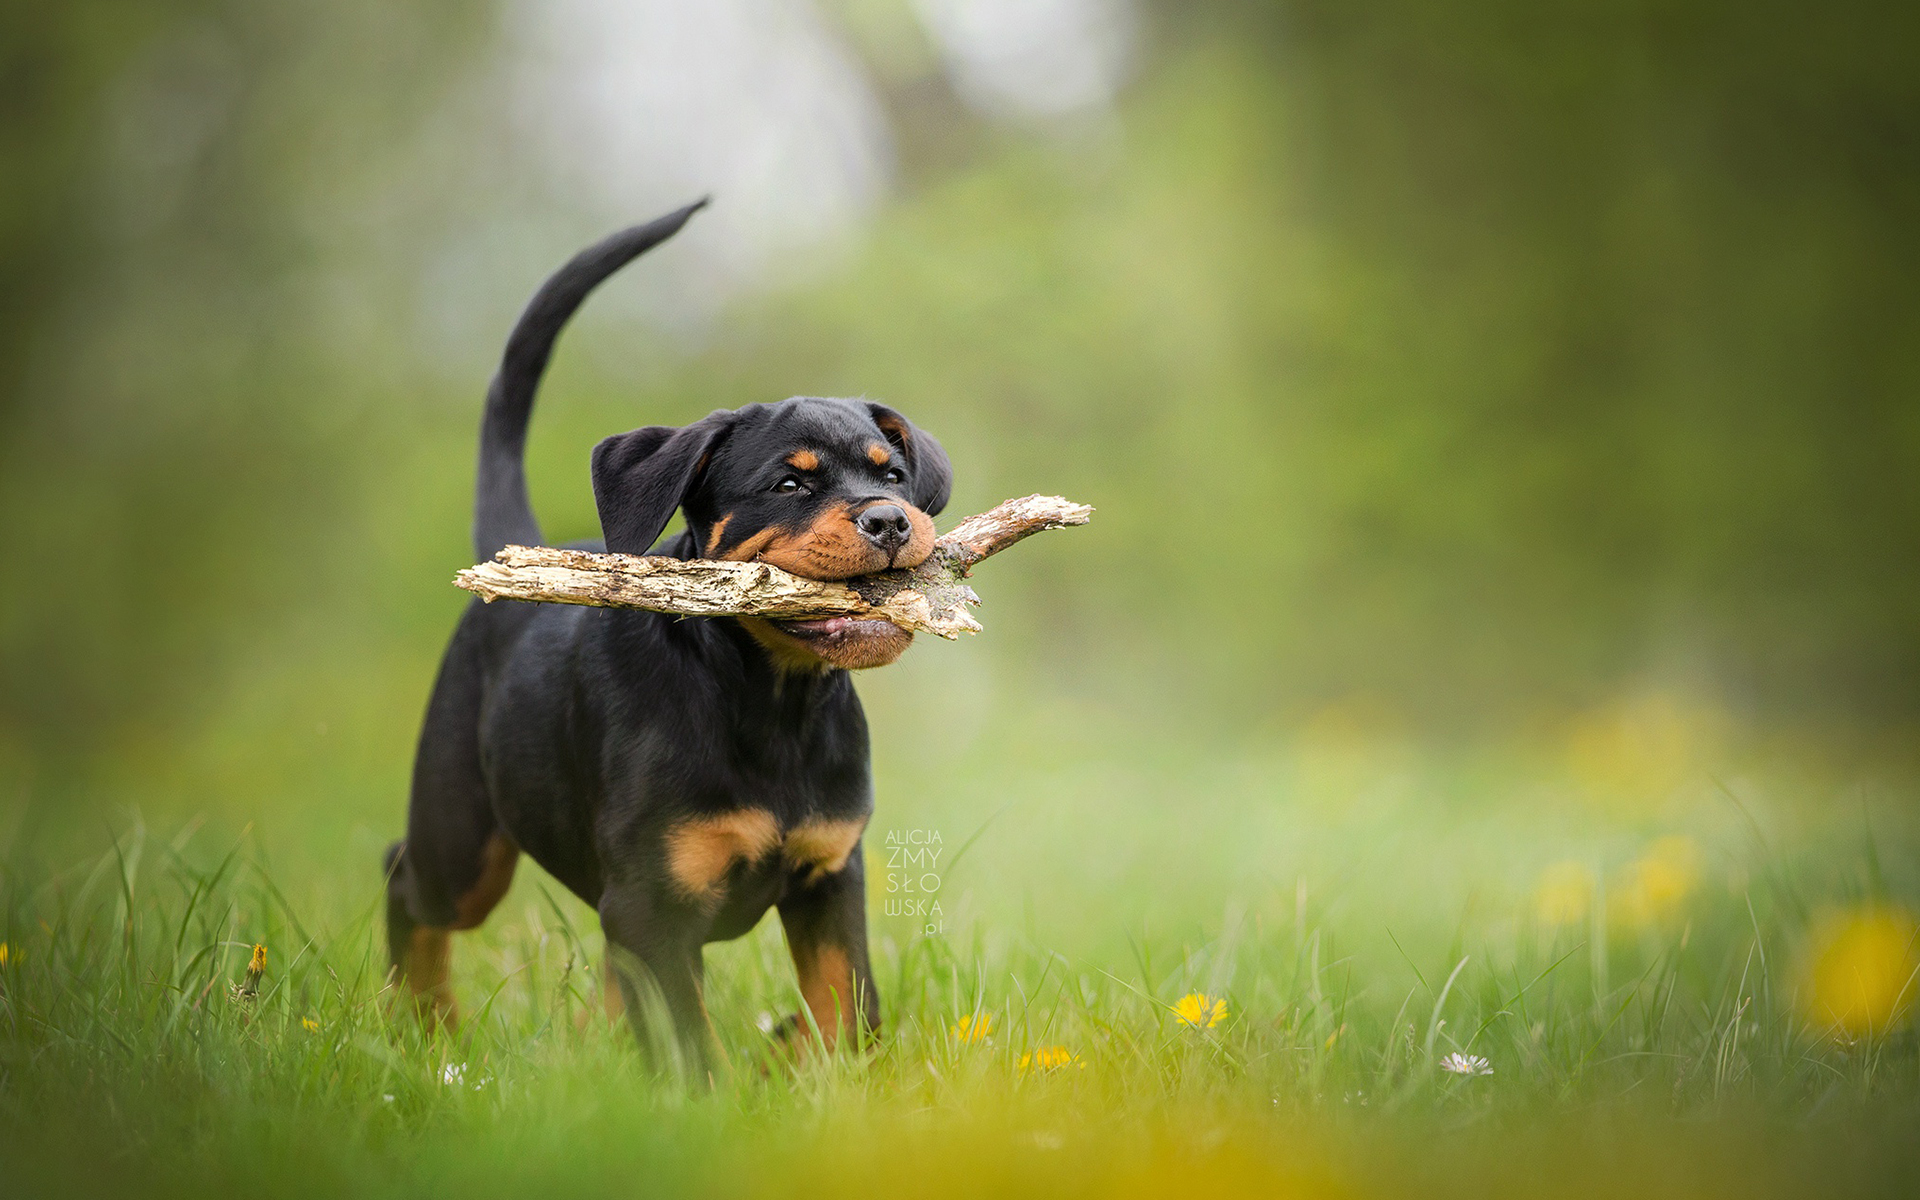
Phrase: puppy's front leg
pixel 826 922
pixel 658 965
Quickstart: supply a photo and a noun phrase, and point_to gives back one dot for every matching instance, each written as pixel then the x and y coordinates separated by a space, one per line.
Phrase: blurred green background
pixel 1487 363
pixel 1501 420
pixel 1522 389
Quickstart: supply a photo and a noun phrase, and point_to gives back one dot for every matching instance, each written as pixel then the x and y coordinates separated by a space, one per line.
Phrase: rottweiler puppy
pixel 681 775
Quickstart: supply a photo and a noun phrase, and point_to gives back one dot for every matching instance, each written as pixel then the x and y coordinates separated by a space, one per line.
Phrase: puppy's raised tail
pixel 502 514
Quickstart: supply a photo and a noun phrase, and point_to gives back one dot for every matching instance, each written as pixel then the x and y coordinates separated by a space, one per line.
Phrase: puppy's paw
pixel 789 1041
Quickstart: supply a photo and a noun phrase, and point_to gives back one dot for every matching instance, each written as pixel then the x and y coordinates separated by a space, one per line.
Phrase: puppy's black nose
pixel 886 526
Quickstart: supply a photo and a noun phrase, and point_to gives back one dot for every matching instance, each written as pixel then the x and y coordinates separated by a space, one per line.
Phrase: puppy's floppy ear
pixel 639 478
pixel 932 473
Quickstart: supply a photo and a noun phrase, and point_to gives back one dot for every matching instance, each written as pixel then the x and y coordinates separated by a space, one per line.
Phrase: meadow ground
pixel 1124 972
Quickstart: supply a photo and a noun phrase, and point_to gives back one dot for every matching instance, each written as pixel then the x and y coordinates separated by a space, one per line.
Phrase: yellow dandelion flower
pixel 309 1024
pixel 1863 970
pixel 1346 747
pixel 1200 1010
pixel 1050 1058
pixel 970 1029
pixel 1564 893
pixel 256 967
pixel 1632 756
pixel 1658 883
pixel 3 954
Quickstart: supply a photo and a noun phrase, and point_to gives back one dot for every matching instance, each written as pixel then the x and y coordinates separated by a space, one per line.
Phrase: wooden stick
pixel 929 598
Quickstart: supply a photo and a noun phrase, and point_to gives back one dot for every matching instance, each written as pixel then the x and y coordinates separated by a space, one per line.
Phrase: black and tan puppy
pixel 681 775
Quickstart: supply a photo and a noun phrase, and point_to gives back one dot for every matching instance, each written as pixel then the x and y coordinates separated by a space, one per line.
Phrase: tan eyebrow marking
pixel 878 454
pixel 803 460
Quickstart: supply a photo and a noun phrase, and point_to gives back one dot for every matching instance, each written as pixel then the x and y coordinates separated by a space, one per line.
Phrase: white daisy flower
pixel 1466 1064
pixel 455 1075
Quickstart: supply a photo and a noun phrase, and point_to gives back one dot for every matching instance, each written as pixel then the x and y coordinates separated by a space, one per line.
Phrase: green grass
pixel 1362 916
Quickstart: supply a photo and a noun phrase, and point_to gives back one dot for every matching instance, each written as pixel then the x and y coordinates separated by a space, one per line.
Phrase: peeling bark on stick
pixel 930 598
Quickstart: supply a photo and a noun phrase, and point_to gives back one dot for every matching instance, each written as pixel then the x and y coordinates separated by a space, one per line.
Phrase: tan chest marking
pixel 824 846
pixel 700 852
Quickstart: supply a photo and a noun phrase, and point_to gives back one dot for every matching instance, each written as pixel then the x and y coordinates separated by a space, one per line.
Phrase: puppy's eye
pixel 896 475
pixel 787 486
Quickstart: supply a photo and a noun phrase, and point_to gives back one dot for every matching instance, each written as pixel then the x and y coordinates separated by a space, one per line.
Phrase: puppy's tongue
pixel 839 629
pixel 822 625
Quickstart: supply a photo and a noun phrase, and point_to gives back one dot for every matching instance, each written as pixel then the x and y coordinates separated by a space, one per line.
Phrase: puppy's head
pixel 824 488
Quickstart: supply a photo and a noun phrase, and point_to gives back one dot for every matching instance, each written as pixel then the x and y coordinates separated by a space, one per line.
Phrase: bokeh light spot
pixel 1863 968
